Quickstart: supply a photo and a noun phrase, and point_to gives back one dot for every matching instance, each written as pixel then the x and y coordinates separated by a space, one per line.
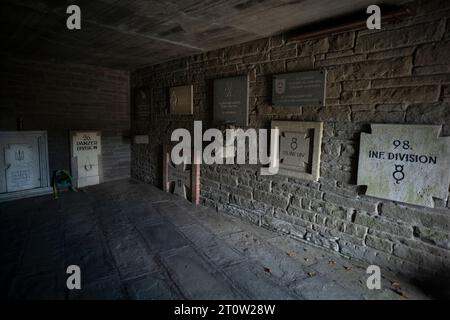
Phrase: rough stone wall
pixel 400 74
pixel 58 98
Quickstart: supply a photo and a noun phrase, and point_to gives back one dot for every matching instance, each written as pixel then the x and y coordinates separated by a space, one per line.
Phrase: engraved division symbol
pixel 280 86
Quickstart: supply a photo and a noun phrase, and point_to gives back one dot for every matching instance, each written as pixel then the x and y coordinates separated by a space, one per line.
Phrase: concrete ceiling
pixel 126 34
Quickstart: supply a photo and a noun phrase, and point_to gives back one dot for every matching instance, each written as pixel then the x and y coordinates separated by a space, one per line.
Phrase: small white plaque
pixel 86 164
pixel 300 148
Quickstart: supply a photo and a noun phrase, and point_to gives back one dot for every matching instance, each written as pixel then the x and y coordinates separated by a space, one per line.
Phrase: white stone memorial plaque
pixel 24 170
pixel 86 158
pixel 183 179
pixel 405 163
pixel 180 176
pixel 22 166
pixel 300 145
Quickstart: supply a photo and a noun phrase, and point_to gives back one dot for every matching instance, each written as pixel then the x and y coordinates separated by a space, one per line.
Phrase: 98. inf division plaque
pixel 405 163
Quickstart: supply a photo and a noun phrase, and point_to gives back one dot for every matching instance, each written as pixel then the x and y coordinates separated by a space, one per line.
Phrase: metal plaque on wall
pixel 299 89
pixel 141 104
pixel 181 100
pixel 231 101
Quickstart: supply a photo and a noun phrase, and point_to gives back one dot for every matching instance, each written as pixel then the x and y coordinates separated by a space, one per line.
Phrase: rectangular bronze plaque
pixel 181 100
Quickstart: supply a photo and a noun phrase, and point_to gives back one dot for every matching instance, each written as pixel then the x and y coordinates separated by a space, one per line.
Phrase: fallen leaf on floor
pixel 290 254
pixel 267 270
pixel 311 274
pixel 395 284
pixel 399 292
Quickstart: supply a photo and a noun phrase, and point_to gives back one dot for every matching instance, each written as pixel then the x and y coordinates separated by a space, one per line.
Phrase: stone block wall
pixel 58 97
pixel 399 74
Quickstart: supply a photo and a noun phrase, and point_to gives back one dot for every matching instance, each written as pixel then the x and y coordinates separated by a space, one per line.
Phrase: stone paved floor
pixel 133 241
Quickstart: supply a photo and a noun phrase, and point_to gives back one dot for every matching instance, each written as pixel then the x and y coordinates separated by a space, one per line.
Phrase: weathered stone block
pixel 432 113
pixel 350 203
pixel 298 64
pixel 356 230
pixel 392 53
pixel 388 68
pixel 376 223
pixel 392 95
pixel 379 244
pixel 342 41
pixel 416 34
pixel 430 218
pixel 419 257
pixel 310 47
pixel 242 191
pixel 305 215
pixel 432 54
pixel 272 199
pixel 435 237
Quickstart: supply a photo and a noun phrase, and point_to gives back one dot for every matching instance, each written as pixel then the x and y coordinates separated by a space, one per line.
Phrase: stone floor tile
pixel 320 287
pixel 272 259
pixel 40 286
pixel 255 283
pixel 162 237
pixel 131 257
pixel 131 240
pixel 152 287
pixel 109 288
pixel 195 278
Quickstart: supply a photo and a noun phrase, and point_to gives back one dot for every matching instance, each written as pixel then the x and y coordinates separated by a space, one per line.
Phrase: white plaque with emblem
pixel 24 164
pixel 300 147
pixel 86 158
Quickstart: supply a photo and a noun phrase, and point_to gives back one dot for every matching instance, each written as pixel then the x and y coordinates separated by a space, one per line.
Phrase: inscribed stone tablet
pixel 141 107
pixel 86 160
pixel 300 147
pixel 231 101
pixel 406 163
pixel 22 161
pixel 24 169
pixel 183 179
pixel 299 89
